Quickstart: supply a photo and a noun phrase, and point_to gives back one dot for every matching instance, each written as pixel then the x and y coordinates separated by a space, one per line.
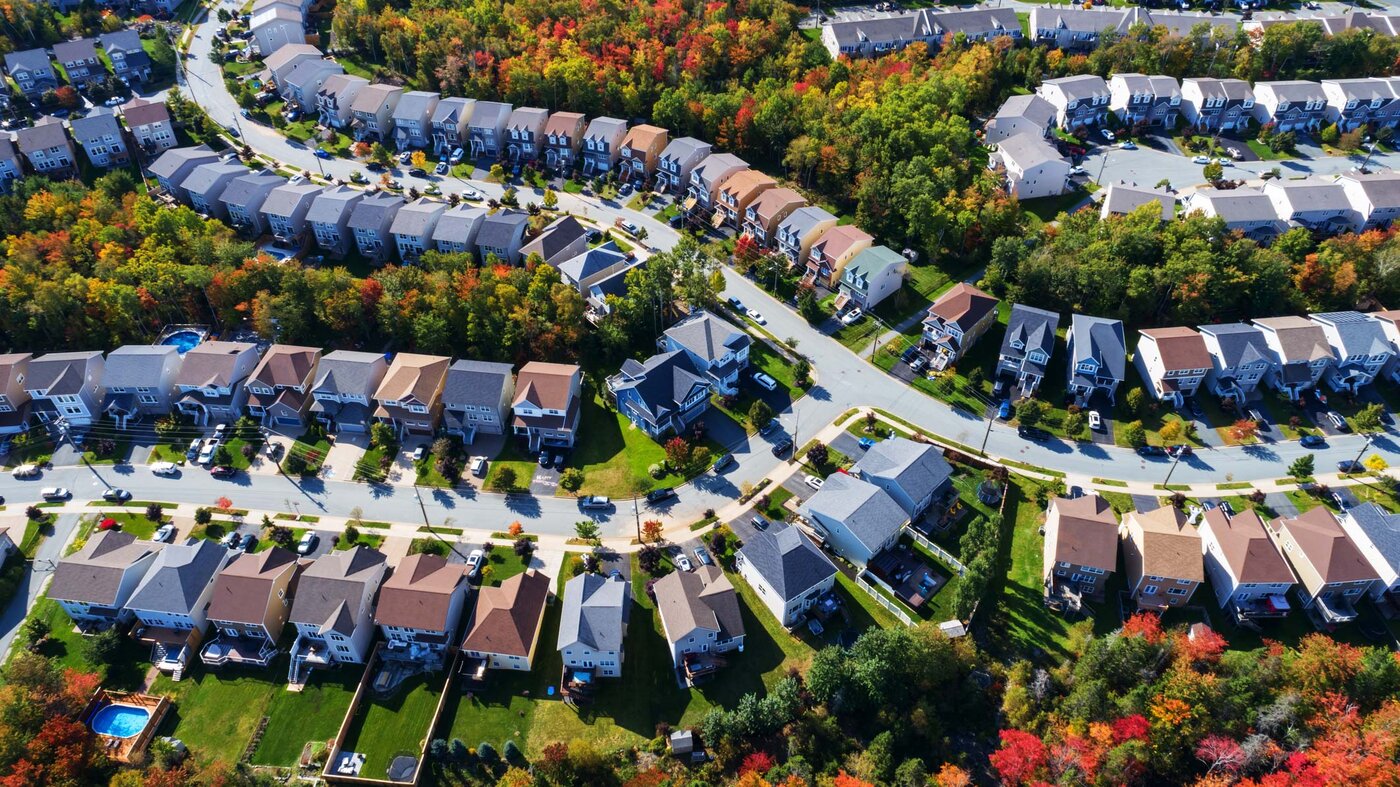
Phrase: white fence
pixel 937 550
pixel 881 599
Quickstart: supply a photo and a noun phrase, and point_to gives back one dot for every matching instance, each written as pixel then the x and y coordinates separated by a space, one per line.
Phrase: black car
pixel 374 166
pixel 1350 466
pixel 909 355
pixel 1033 433
pixel 782 447
pixel 1195 408
pixel 222 471
pixel 769 427
pixel 249 542
pixel 1182 451
pixel 1312 441
pixel 657 495
pixel 544 459
pixel 418 172
pixel 1152 451
pixel 115 495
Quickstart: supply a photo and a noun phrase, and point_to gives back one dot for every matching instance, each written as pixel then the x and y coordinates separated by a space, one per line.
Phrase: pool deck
pixel 126 749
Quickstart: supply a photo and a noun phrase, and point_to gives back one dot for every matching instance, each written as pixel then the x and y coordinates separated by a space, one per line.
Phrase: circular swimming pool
pixel 183 341
pixel 120 721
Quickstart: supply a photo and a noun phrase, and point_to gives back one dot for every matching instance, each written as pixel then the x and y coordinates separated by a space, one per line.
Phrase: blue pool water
pixel 120 721
pixel 183 341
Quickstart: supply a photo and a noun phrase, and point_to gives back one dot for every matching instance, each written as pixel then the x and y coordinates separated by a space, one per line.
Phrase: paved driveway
pixel 544 481
pixel 1145 503
pixel 35 578
pixel 1280 503
pixel 345 452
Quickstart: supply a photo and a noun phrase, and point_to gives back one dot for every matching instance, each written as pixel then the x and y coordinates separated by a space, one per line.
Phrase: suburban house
pixel 302 86
pixel 1026 348
pixel 955 321
pixel 419 607
pixel 1293 105
pixel 1217 104
pixel 1138 99
pixel 93 584
pixel 1098 357
pixel 832 250
pixel 285 210
pixel 66 386
pixel 593 623
pixel 1245 210
pixel 1313 203
pixel 563 136
pixel 47 148
pixel 172 601
pixel 718 350
pixel 80 62
pixel 371 220
pixel 206 183
pixel 598 273
pixel 1081 547
pixel 102 138
pixel 149 122
pixel 486 129
pixel 870 277
pixel 457 228
pixel 703 190
pixel 1121 198
pixel 562 239
pixel 1079 101
pixel 501 235
pixel 284 61
pixel 32 72
pixel 545 410
pixel 602 145
pixel 14 400
pixel 210 383
pixel 11 166
pixel 409 397
pixel 413 227
pixel 1374 198
pixel 857 518
pixel 878 35
pixel 1359 345
pixel 345 383
pixel 413 119
pixel 1353 103
pixel 332 609
pixel 476 398
pixel 503 629
pixel 139 380
pixel 450 118
pixel 1239 358
pixel 800 230
pixel 765 214
pixel 737 192
pixel 641 151
pixel 913 474
pixel 243 199
pixel 329 218
pixel 1161 557
pixel 701 618
pixel 372 112
pixel 1376 532
pixel 525 133
pixel 677 161
pixel 1033 167
pixel 1301 353
pixel 1025 114
pixel 249 605
pixel 787 570
pixel 1390 323
pixel 662 395
pixel 1174 361
pixel 275 26
pixel 279 388
pixel 336 99
pixel 173 166
pixel 1250 577
pixel 1332 572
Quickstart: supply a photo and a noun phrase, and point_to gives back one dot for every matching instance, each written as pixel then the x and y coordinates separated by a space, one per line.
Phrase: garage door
pixel 286 421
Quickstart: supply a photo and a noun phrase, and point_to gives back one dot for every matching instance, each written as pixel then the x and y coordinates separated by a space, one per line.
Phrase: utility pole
pixel 1175 460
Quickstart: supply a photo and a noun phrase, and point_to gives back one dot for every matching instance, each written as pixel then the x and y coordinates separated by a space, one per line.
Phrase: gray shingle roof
pixel 453 110
pixel 916 468
pixel 72 51
pixel 308 72
pixel 704 598
pixel 375 211
pixel 285 199
pixel 347 371
pixel 47 133
pixel 251 189
pixel 1381 527
pixel 787 560
pixel 1079 87
pixel 555 239
pixel 1034 329
pixel 662 382
pixel 418 217
pixel 1233 89
pixel 595 612
pixel 1027 150
pixel 1029 106
pixel 683 147
pixel 414 104
pixel 331 590
pixel 99 123
pixel 1239 343
pixel 205 176
pixel 489 114
pixel 178 577
pixel 459 225
pixel 708 336
pixel 1356 333
pixel 499 229
pixel 716 165
pixel 136 365
pixel 802 220
pixel 863 508
pixel 60 373
pixel 27 60
pixel 1101 339
pixel 93 574
pixel 475 383
pixel 606 129
pixel 122 42
pixel 1123 198
pixel 1239 205
pixel 332 203
pixel 170 162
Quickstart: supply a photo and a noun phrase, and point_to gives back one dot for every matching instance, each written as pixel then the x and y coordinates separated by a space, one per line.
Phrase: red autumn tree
pixel 652 531
pixel 677 452
pixel 759 762
pixel 1145 625
pixel 1021 759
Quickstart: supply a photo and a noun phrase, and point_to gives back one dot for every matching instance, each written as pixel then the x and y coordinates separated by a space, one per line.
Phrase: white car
pixel 1106 134
pixel 683 563
pixel 1200 160
pixel 474 559
pixel 164 534
pixel 765 382
pixel 852 316
pixel 471 194
pixel 1078 170
pixel 1127 144
pixel 164 468
pixel 55 493
pixel 26 471
pixel 206 454
pixel 478 466
pixel 758 318
pixel 1095 420
pixel 813 481
pixel 308 543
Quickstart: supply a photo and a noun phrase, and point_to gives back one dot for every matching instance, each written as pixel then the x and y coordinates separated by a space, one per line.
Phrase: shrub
pixel 352 534
pixel 504 480
pixel 571 479
pixel 203 516
pixel 154 512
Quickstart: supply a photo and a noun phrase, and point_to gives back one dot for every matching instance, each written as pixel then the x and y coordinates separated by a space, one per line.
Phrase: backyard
pixel 399 725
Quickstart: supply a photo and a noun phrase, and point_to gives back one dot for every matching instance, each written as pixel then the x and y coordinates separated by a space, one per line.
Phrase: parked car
pixel 1312 441
pixel 737 305
pixel 813 481
pixel 420 453
pixel 1152 451
pixel 723 462
pixel 1181 451
pixel 703 555
pixel 544 459
pixel 1227 508
pixel 759 522
pixel 116 495
pixel 758 318
pixel 909 354
pixel 1127 144
pixel 308 543
pixel 765 382
pixel 249 542
pixel 206 452
pixel 1259 420
pixel 1338 421
pixel 1004 411
pixel 222 471
pixel 866 442
pixel 852 317
pixel 456 157
pixel 164 468
pixel 1107 135
pixel 769 427
pixel 418 172
pixel 55 493
pixel 1095 420
pixel 26 471
pixel 405 157
pixel 919 365
pixel 441 168
pixel 230 540
pixel 323 153
pixel 1200 160
pixel 1034 433
pixel 782 447
pixel 164 534
pixel 471 194
pixel 193 450
pixel 657 495
pixel 1342 503
pixel 683 563
pixel 478 466
pixel 1350 466
pixel 594 502
pixel 474 559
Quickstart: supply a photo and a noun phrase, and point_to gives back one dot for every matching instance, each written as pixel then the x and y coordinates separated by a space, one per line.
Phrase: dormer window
pixel 1018 344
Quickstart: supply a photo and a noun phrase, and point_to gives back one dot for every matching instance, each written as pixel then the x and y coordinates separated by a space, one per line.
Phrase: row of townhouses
pixel 1326 562
pixel 49 147
pixel 288 386
pixel 34 73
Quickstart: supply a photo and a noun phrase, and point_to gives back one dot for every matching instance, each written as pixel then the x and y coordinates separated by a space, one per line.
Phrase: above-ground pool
pixel 183 341
pixel 120 721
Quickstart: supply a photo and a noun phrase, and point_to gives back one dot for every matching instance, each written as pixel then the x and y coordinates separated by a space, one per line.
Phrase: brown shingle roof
pixel 1326 545
pixel 1170 547
pixel 837 240
pixel 418 595
pixel 413 376
pixel 642 137
pixel 774 201
pixel 1300 338
pixel 746 182
pixel 286 364
pixel 1087 534
pixel 1247 548
pixel 242 589
pixel 544 385
pixel 566 124
pixel 1180 348
pixel 962 305
pixel 507 619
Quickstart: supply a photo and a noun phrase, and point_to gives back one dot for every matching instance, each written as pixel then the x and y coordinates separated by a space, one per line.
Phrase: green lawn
pixel 513 456
pixel 504 563
pixel 1262 151
pixel 119 453
pixel 367 469
pixel 767 360
pixel 1048 208
pixel 776 497
pixel 133 522
pixel 429 475
pixel 311 447
pixel 383 729
pixel 615 455
pixel 69 649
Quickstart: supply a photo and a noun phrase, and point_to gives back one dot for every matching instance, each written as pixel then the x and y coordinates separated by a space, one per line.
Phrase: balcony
pixel 238 650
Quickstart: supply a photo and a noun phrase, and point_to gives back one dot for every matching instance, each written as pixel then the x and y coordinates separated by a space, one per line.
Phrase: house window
pixel 1150 590
pixel 1176 591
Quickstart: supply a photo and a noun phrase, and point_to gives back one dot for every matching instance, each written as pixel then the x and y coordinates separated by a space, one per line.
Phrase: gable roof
pixel 371 98
pixel 642 137
pixel 707 336
pixel 1179 348
pixel 47 133
pixel 662 384
pixel 211 364
pixel 27 60
pixel 564 124
pixel 414 376
pixel 507 619
pixel 247 189
pixel 169 163
pixel 98 123
pixel 499 230
pixel 916 468
pixel 1033 328
pixel 1356 333
pixel 93 574
pixel 1239 344
pixel 332 203
pixel 595 612
pixel 414 104
pixel 178 577
pixel 1099 339
pixel 348 371
pixel 136 365
pixel 1237 206
pixel 243 589
pixel 285 365
pixel 682 148
pixel 804 220
pixel 330 593
pixel 1246 547
pixel 458 224
pixel 700 599
pixel 555 239
pixel 489 114
pixel 417 217
pixel 1030 107
pixel 605 129
pixel 1027 151
pixel 1124 198
pixel 787 560
pixel 1170 545
pixel 1300 339
pixel 962 305
pixel 203 178
pixel 452 111
pixel 1381 528
pixel 374 211
pixel 60 373
pixel 286 198
pixel 863 508
pixel 476 383
pixel 75 50
pixel 418 594
pixel 1326 546
pixel 546 386
pixel 140 112
pixel 1086 533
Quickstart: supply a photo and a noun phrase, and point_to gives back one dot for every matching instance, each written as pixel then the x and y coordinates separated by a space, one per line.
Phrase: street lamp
pixel 637 514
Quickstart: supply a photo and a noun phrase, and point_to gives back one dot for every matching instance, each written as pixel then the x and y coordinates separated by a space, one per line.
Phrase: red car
pixel 222 471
